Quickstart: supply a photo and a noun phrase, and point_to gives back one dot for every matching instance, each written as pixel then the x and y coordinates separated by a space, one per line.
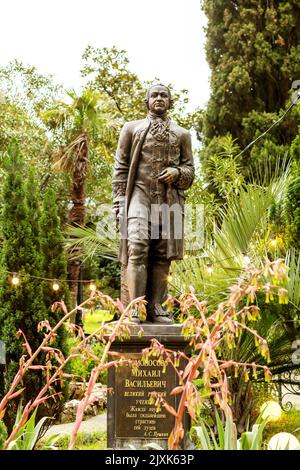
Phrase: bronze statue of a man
pixel 153 167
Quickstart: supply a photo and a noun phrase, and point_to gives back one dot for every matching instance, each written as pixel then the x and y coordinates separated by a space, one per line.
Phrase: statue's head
pixel 159 99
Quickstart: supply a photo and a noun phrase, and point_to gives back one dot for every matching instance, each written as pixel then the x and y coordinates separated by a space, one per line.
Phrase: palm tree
pixel 78 126
pixel 242 237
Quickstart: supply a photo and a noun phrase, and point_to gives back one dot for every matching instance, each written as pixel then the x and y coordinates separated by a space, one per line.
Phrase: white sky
pixel 163 38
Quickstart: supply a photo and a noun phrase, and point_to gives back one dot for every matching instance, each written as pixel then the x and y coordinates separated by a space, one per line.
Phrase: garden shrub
pixel 3 434
pixel 289 422
pixel 83 367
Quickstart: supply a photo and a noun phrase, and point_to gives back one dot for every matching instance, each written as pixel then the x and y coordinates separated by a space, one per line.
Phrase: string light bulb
pixel 55 286
pixel 271 410
pixel 209 268
pixel 15 280
pixel 92 286
pixel 247 260
pixel 169 277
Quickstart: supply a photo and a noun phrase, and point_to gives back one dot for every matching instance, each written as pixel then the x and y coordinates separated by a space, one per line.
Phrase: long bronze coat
pixel 126 163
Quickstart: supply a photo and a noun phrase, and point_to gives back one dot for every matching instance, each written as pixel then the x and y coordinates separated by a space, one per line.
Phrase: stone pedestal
pixel 131 420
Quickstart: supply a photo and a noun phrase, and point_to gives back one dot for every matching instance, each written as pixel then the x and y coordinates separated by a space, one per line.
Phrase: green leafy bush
pixel 93 320
pixel 3 433
pixel 28 434
pixel 83 366
pixel 289 422
pixel 225 437
pixel 84 441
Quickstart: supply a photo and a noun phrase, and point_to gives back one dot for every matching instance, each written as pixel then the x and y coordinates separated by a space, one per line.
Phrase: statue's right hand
pixel 116 212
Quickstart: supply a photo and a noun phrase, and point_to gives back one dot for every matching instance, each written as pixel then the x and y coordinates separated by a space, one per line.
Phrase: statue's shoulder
pixel 132 126
pixel 179 130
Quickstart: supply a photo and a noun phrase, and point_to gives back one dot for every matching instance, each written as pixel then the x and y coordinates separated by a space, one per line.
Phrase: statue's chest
pixel 160 152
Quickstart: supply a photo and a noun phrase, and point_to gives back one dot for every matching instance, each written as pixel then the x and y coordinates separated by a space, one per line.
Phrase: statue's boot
pixel 136 282
pixel 158 290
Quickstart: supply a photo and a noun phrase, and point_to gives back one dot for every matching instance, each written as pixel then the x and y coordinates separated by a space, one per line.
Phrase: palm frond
pixel 55 118
pixel 293 262
pixel 262 173
pixel 92 242
pixel 67 157
pixel 244 232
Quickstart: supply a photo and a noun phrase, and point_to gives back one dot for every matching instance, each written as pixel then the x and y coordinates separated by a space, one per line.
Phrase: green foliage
pixel 21 307
pixel 34 214
pixel 109 275
pixel 28 435
pixel 81 121
pixel 293 207
pixel 93 319
pixel 31 248
pixel 109 74
pixel 99 253
pixel 84 441
pixel 248 44
pixel 111 77
pixel 289 422
pixel 3 434
pixel 243 231
pixel 24 92
pixel 54 263
pixel 223 170
pixel 243 238
pixel 16 123
pixel 83 366
pixel 28 88
pixel 93 242
pixel 72 117
pixel 76 125
pixel 225 437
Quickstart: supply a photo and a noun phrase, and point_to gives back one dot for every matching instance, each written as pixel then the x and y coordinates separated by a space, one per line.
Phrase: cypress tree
pixel 55 263
pixel 34 214
pixel 253 49
pixel 22 307
pixel 32 248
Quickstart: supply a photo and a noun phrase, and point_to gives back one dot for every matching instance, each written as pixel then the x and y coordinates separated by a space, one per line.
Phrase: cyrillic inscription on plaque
pixel 135 416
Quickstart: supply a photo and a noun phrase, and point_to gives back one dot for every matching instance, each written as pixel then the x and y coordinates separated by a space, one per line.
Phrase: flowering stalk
pixel 121 327
pixel 59 375
pixel 207 334
pixel 25 365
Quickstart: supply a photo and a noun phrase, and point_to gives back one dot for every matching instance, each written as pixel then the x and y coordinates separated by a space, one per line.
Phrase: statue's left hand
pixel 169 175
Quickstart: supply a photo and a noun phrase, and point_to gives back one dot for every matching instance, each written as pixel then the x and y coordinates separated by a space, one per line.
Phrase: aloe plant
pixel 28 434
pixel 226 435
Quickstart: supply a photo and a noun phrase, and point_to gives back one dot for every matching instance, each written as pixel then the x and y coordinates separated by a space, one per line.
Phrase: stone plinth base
pixel 131 419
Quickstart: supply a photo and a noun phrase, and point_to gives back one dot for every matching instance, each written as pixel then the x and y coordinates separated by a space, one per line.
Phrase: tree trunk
pixel 77 212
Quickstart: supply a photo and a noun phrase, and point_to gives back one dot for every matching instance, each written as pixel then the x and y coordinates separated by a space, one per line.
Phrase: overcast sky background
pixel 163 38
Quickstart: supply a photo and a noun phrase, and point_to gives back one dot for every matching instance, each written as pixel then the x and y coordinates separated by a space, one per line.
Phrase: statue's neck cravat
pixel 159 127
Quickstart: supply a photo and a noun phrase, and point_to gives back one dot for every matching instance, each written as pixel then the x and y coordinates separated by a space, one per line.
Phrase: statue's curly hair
pixel 159 84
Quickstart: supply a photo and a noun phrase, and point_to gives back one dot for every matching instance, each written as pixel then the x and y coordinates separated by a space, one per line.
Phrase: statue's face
pixel 158 101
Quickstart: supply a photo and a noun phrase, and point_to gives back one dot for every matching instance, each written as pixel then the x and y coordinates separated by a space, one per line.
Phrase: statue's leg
pixel 158 282
pixel 137 268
